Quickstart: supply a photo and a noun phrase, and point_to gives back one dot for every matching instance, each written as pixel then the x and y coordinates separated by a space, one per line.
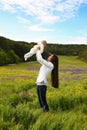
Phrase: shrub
pixel 21 97
pixel 8 57
pixel 24 116
pixel 83 55
pixel 6 117
pixel 3 58
pixel 13 58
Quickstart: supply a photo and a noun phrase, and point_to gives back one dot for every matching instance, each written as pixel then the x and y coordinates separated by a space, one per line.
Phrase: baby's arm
pixel 41 47
pixel 31 52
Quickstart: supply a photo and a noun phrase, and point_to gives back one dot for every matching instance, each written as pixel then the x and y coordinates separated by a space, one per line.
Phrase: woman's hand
pixel 38 48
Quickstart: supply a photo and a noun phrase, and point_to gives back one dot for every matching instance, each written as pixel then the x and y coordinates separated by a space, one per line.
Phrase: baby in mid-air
pixel 33 50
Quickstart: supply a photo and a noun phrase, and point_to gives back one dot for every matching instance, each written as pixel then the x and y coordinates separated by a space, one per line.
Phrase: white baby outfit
pixel 34 50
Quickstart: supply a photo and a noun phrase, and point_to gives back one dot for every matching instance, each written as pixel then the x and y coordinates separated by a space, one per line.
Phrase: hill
pixel 10 50
pixel 13 51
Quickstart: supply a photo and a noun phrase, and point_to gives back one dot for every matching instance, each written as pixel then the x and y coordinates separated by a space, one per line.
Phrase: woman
pixel 48 66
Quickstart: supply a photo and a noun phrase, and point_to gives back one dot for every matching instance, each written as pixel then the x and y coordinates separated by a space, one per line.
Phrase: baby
pixel 33 50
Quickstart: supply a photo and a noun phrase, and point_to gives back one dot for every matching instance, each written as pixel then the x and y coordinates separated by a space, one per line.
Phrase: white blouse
pixel 45 69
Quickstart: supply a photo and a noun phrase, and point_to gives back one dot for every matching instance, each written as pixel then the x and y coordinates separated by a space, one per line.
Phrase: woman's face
pixel 50 58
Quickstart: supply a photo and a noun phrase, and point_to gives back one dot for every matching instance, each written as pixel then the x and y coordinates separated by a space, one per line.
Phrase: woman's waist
pixel 41 83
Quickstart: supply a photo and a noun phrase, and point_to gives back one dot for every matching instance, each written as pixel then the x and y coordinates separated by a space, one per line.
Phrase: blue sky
pixel 57 21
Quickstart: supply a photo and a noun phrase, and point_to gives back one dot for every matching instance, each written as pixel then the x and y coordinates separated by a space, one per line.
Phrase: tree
pixel 12 57
pixel 3 58
pixel 83 55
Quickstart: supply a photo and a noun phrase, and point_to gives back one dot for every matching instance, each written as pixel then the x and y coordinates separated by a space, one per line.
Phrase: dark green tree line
pixel 13 51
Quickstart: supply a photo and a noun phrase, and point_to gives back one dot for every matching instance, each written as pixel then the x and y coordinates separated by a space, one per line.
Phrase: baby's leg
pixel 30 53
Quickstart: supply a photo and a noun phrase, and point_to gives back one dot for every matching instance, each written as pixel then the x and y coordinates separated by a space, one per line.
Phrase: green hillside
pixel 13 51
pixel 19 108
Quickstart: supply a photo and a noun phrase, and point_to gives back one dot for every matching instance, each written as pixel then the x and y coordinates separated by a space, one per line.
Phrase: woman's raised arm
pixel 43 61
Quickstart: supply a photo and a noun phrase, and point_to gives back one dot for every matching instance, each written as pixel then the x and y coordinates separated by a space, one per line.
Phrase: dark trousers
pixel 41 92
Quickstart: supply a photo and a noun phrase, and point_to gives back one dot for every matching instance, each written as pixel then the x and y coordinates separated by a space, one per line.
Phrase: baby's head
pixel 44 42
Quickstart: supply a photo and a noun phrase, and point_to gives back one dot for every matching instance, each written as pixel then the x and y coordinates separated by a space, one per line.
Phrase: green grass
pixel 19 108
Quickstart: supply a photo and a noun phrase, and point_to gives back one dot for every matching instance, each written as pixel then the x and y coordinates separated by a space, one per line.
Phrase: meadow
pixel 19 108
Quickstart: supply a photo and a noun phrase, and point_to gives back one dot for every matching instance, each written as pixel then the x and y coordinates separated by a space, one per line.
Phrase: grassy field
pixel 19 108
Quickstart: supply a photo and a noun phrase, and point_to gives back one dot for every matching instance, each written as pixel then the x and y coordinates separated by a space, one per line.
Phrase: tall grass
pixel 19 108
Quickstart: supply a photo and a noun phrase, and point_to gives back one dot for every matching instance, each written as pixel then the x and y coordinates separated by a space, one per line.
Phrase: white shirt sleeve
pixel 42 61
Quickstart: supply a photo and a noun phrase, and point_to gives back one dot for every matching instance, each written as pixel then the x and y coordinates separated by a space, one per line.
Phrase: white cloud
pixel 39 28
pixel 22 20
pixel 6 6
pixel 49 19
pixel 79 40
pixel 44 10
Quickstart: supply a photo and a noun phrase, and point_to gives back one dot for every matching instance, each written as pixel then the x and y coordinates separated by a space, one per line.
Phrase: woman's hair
pixel 54 73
